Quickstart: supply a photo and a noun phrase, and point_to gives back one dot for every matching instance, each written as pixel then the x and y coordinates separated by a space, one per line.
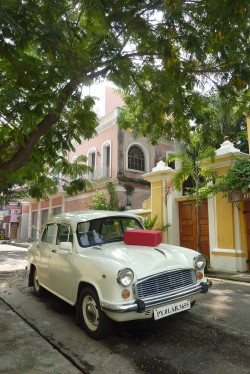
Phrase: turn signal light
pixel 125 294
pixel 200 276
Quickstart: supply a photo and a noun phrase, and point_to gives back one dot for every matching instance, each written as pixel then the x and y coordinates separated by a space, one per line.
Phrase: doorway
pixel 188 228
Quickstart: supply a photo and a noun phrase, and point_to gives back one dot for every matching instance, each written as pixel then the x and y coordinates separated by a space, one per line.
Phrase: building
pixel 9 220
pixel 114 155
pixel 224 218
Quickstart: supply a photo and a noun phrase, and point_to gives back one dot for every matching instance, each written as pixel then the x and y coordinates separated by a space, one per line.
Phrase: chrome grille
pixel 165 282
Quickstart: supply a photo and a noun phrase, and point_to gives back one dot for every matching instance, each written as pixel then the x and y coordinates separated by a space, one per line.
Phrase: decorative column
pixel 163 202
pixel 226 232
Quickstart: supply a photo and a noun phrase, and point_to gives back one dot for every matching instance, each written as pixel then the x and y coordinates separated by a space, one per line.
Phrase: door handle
pixel 54 250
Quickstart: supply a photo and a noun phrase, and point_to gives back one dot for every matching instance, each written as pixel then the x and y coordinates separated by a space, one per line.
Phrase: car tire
pixel 90 315
pixel 38 289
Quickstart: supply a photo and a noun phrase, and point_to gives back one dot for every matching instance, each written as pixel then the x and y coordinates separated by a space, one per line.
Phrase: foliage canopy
pixel 157 52
pixel 193 152
pixel 150 223
pixel 237 178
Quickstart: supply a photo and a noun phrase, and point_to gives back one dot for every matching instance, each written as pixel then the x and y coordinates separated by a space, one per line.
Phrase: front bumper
pixel 140 306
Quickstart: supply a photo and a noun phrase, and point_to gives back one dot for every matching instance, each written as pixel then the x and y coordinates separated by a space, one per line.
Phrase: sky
pixel 98 91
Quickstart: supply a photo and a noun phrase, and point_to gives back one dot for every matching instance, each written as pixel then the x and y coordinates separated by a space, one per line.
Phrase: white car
pixel 110 268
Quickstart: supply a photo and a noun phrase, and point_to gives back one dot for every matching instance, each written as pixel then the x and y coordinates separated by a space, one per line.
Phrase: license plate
pixel 169 309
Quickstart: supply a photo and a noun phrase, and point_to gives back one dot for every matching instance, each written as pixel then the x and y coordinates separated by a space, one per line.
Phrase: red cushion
pixel 143 237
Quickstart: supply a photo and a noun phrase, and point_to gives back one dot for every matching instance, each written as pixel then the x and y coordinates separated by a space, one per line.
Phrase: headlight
pixel 199 262
pixel 125 277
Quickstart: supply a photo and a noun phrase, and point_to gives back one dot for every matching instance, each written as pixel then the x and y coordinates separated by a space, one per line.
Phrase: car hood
pixel 144 260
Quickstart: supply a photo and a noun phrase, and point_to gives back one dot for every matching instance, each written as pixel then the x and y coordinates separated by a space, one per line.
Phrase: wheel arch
pixel 31 275
pixel 82 285
pixel 90 316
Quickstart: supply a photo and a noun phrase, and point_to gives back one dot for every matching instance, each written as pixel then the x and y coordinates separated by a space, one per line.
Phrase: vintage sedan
pixel 111 269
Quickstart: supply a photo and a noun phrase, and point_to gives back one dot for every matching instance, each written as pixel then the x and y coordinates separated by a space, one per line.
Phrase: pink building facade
pixel 114 155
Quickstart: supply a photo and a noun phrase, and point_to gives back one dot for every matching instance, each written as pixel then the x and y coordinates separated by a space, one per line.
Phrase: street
pixel 213 337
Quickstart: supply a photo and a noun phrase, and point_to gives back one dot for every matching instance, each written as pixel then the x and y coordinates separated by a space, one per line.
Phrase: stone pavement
pixel 24 351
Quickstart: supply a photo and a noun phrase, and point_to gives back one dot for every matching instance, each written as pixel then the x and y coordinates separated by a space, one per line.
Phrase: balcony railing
pixel 99 172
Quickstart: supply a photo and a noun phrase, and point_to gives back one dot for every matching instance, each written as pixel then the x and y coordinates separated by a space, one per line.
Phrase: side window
pixel 48 233
pixel 64 234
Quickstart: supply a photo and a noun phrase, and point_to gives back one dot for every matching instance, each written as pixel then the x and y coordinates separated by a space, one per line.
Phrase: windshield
pixel 105 230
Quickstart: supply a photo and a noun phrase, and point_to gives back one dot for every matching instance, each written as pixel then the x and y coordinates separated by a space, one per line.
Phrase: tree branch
pixel 23 153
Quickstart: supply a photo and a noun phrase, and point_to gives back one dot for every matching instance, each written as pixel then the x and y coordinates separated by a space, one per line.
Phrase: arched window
pixel 106 159
pixel 92 163
pixel 136 158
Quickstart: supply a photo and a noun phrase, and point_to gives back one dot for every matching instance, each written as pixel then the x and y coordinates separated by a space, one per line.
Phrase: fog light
pixel 125 294
pixel 200 276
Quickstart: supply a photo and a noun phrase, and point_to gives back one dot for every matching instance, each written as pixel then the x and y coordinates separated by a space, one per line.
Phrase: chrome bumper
pixel 140 306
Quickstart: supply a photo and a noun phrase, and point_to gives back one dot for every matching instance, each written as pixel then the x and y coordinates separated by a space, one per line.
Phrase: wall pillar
pixel 228 249
pixel 24 229
pixel 163 202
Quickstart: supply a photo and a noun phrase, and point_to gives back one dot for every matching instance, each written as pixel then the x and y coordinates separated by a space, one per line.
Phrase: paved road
pixel 212 338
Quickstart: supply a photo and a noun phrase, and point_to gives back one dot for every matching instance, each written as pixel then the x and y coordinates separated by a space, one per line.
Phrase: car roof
pixel 87 215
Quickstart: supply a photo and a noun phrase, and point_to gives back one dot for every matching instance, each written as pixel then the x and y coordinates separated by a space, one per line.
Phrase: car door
pixel 60 264
pixel 45 246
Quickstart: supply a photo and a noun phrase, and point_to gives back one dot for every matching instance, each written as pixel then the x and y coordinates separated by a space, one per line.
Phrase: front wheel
pixel 90 315
pixel 38 289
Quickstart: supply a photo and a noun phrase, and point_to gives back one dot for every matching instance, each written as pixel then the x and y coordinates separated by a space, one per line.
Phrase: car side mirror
pixel 66 246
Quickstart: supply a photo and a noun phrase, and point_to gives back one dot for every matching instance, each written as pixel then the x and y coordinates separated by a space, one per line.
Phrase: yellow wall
pixel 157 200
pixel 225 212
pixel 243 230
pixel 225 222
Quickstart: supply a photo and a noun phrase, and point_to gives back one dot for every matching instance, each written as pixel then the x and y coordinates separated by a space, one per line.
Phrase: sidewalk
pixel 228 275
pixel 25 351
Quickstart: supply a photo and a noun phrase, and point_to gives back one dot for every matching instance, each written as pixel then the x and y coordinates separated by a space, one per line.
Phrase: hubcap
pixel 90 313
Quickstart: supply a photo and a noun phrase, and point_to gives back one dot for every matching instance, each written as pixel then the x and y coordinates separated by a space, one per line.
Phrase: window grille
pixel 136 159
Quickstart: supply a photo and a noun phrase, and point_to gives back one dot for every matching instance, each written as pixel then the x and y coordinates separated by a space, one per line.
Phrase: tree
pixel 192 155
pixel 217 118
pixel 157 52
pixel 200 55
pixel 236 179
pixel 149 223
